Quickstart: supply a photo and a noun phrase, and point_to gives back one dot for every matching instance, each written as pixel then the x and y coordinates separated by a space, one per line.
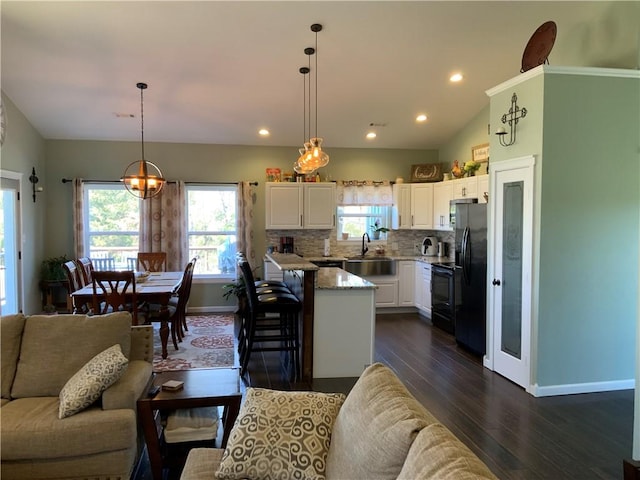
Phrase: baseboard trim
pixel 593 387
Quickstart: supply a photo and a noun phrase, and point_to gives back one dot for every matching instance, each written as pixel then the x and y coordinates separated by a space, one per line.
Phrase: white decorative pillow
pixel 280 435
pixel 88 383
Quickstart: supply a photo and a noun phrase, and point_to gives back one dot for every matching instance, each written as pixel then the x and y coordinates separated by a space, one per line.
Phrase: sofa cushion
pixel 31 430
pixel 280 435
pixel 375 427
pixel 11 327
pixel 437 453
pixel 55 347
pixel 88 383
pixel 202 464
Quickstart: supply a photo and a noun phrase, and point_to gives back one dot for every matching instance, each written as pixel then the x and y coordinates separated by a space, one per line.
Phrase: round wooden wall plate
pixel 539 46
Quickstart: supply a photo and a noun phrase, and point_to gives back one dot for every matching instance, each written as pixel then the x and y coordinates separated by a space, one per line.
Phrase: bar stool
pixel 271 325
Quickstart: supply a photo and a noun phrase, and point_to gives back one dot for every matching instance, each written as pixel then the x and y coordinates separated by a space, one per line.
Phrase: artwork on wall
pixel 480 153
pixel 426 172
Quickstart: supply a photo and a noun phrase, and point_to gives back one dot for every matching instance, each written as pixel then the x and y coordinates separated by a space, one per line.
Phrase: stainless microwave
pixel 452 209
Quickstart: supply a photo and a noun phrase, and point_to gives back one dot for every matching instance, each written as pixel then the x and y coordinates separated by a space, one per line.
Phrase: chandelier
pixel 311 156
pixel 143 179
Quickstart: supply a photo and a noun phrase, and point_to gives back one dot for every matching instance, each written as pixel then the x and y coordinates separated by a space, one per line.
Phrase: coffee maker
pixel 286 244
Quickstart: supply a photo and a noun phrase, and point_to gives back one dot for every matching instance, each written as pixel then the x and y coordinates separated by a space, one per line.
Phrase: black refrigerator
pixel 471 272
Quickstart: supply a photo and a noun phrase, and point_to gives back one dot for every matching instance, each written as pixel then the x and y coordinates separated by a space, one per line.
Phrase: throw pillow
pixel 280 435
pixel 86 386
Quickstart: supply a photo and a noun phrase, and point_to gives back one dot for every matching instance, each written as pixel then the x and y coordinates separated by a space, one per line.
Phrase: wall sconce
pixel 34 180
pixel 515 113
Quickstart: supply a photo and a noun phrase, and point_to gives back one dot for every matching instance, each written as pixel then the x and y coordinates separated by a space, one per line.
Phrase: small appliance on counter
pixel 286 244
pixel 443 249
pixel 430 246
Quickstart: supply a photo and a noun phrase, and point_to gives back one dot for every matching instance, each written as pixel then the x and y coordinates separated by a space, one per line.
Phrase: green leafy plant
pixel 51 269
pixel 237 288
pixel 377 228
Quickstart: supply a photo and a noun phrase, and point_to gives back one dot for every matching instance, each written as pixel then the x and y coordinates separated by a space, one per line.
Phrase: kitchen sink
pixel 370 266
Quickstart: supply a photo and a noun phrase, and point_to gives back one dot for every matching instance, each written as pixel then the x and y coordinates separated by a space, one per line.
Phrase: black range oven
pixel 444 294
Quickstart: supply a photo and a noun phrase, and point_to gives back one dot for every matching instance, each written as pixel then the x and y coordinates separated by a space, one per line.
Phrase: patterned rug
pixel 207 344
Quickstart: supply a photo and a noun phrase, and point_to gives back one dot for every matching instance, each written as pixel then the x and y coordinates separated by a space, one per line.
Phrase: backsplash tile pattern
pixel 310 243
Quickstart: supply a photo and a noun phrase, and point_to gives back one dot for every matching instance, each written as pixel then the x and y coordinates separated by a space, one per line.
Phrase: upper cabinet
pixel 465 187
pixel 442 195
pixel 291 206
pixel 412 206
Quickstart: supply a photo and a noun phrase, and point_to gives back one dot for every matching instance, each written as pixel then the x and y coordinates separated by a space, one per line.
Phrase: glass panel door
pixel 9 265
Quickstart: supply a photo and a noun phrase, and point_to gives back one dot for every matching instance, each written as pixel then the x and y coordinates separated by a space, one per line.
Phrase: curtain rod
pixel 68 180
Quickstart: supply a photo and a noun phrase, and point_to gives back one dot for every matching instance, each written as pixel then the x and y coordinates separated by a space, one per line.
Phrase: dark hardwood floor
pixel 518 436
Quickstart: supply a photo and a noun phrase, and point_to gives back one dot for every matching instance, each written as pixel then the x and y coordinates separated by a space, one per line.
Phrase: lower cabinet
pixel 406 282
pixel 423 288
pixel 387 291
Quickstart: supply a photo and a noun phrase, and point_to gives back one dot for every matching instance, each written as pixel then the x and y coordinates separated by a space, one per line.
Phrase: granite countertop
pixel 339 279
pixel 290 261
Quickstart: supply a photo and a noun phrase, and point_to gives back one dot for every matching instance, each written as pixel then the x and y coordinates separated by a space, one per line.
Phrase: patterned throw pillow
pixel 88 383
pixel 280 435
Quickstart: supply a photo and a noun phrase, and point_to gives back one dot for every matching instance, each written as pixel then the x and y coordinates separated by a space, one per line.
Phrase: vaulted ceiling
pixel 219 71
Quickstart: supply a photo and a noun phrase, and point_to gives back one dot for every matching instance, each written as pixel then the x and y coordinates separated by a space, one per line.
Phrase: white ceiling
pixel 218 71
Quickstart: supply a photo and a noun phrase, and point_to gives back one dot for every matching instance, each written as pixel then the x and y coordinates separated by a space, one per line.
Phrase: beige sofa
pixel 39 355
pixel 380 432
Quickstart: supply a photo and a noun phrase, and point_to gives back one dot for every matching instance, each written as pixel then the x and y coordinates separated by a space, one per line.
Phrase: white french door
pixel 10 268
pixel 510 280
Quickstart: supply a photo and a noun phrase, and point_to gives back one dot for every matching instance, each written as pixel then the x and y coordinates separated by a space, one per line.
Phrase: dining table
pixel 154 287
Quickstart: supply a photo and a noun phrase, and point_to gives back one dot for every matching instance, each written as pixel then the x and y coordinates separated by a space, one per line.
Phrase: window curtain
pixel 364 193
pixel 78 218
pixel 244 223
pixel 163 225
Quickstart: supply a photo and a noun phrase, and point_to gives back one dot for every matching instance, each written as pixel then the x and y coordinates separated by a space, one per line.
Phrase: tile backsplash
pixel 310 243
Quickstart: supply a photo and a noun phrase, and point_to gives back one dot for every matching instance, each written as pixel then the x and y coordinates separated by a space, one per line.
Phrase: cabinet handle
pixel 412 220
pixel 496 282
pixel 301 224
pixel 334 220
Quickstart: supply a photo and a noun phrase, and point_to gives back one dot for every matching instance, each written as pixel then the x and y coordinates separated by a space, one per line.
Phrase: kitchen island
pixel 337 324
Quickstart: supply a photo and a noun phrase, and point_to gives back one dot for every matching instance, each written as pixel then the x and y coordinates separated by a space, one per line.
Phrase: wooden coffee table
pixel 202 388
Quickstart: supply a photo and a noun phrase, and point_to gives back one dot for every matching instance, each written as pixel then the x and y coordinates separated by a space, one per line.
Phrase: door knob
pixel 496 282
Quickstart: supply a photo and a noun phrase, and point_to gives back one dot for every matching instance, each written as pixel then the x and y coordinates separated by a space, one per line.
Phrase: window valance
pixel 367 192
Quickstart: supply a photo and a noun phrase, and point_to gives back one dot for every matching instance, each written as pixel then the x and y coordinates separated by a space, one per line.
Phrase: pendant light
pixel 143 179
pixel 313 157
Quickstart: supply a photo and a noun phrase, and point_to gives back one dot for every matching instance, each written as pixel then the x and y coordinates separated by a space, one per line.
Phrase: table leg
pixel 229 416
pixel 164 336
pixel 145 412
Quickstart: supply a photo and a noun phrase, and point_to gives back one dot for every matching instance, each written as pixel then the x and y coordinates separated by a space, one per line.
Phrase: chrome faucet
pixel 365 249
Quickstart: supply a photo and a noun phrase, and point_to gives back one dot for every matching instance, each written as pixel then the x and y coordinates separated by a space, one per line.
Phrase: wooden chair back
pixel 103 264
pixel 152 261
pixel 113 291
pixel 85 267
pixel 74 277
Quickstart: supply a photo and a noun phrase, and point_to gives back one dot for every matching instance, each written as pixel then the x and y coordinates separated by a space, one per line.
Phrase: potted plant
pixel 377 229
pixel 239 290
pixel 51 269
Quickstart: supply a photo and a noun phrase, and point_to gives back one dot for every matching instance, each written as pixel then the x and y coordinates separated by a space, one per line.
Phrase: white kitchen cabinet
pixel 291 206
pixel 465 187
pixel 406 282
pixel 386 291
pixel 422 206
pixel 423 287
pixel 442 195
pixel 483 188
pixel 401 211
pixel 319 205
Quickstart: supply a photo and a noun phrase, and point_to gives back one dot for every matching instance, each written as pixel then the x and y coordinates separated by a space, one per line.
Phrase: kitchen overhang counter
pixel 337 320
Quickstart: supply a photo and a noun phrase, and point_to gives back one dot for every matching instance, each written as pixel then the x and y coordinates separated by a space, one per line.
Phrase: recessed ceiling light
pixel 264 132
pixel 421 118
pixel 456 77
pixel 371 135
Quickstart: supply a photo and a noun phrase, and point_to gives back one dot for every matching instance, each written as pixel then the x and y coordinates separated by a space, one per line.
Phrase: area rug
pixel 207 344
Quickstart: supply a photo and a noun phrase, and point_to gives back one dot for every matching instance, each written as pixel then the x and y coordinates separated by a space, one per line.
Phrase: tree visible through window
pixel 211 219
pixel 356 220
pixel 112 220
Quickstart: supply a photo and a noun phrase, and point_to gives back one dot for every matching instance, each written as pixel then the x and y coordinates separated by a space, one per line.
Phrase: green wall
pixel 22 150
pixel 583 130
pixel 589 229
pixel 201 163
pixel 472 134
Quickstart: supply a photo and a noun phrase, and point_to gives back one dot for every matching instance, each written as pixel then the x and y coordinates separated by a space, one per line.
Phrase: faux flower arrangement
pixel 471 167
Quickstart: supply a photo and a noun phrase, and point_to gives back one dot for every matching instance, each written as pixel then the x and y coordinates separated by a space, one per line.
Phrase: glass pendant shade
pixel 143 179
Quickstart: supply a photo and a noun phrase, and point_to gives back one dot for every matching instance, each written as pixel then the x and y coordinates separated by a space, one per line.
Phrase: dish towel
pixel 192 424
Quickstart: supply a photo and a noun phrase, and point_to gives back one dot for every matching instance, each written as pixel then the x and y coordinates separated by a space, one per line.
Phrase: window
pixel 355 220
pixel 211 230
pixel 112 220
